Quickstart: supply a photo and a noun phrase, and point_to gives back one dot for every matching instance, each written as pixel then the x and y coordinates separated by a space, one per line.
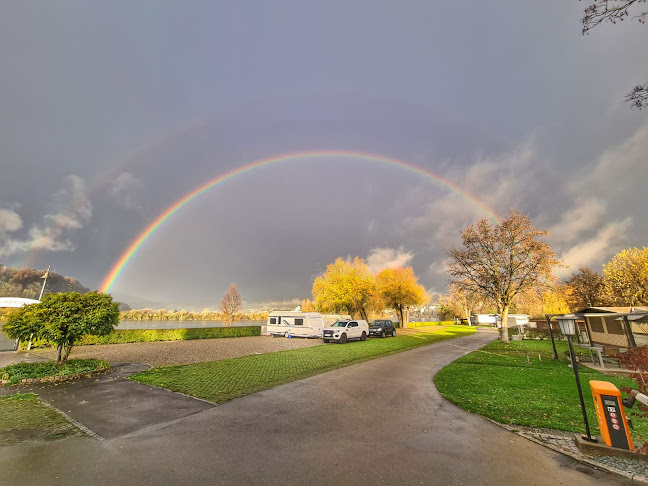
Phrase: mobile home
pixel 484 319
pixel 300 324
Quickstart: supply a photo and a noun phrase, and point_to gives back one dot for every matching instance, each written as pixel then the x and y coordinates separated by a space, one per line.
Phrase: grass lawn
pixel 499 383
pixel 219 381
pixel 24 418
pixel 19 371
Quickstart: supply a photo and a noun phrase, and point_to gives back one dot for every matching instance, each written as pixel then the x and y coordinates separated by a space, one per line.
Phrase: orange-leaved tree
pixel 231 304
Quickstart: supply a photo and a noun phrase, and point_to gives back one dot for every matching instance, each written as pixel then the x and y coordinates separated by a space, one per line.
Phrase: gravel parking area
pixel 183 352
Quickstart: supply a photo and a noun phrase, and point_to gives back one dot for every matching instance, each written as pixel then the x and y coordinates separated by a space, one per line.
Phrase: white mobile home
pixel 295 323
pixel 484 319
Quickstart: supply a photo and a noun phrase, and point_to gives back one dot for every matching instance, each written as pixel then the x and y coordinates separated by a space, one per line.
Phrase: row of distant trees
pixel 185 315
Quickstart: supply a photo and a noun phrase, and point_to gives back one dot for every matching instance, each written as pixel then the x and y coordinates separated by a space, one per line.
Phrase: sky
pixel 112 112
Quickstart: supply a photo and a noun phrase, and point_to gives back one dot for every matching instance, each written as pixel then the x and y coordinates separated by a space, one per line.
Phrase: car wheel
pixel 364 336
pixel 394 333
pixel 326 340
pixel 343 338
pixel 382 333
pixel 286 334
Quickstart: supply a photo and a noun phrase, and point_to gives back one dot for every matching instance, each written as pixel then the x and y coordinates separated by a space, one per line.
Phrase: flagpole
pixel 39 298
pixel 45 277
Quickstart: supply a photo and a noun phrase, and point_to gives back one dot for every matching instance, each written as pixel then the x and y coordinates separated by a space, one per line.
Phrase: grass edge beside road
pixel 220 381
pixel 510 384
pixel 25 418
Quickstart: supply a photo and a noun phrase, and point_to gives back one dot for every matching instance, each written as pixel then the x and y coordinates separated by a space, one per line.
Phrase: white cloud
pixel 10 221
pixel 381 258
pixel 69 211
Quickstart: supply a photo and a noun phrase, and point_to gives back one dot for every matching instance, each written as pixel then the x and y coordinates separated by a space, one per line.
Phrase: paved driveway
pixel 378 422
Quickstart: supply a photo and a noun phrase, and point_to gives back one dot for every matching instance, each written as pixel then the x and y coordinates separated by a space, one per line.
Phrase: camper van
pixel 484 320
pixel 300 324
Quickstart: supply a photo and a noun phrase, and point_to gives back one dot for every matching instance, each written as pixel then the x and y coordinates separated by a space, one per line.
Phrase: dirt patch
pixel 183 352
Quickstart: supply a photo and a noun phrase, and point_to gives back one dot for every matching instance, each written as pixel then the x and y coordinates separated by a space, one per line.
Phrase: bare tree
pixel 231 304
pixel 498 262
pixel 615 11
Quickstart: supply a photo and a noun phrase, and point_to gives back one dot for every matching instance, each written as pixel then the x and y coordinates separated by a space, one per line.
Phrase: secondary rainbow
pixel 314 154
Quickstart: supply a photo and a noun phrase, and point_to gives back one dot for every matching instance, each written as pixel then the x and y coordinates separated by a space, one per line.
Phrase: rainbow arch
pixel 128 254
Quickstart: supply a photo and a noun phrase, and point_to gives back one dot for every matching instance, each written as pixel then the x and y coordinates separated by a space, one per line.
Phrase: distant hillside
pixel 27 282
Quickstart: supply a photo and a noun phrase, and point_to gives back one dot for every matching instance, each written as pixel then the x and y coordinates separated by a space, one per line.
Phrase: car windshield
pixel 377 323
pixel 340 324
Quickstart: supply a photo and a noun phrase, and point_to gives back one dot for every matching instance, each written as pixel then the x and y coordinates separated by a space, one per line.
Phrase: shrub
pixel 425 324
pixel 19 371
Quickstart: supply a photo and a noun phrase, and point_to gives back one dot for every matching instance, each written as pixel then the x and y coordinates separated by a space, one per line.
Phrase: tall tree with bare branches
pixel 499 262
pixel 231 304
pixel 615 11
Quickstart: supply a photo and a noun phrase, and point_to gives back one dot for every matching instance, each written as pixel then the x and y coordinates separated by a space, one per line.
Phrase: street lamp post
pixel 568 328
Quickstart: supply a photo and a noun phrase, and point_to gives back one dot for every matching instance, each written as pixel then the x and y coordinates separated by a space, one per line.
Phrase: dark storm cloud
pixel 144 102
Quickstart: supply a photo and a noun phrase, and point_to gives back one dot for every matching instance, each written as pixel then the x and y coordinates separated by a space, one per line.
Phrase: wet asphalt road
pixel 378 422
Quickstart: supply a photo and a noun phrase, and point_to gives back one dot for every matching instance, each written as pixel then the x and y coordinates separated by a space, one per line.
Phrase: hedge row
pixel 151 335
pixel 425 324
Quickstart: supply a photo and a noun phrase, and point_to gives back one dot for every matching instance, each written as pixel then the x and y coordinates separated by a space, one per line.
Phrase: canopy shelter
pixel 625 327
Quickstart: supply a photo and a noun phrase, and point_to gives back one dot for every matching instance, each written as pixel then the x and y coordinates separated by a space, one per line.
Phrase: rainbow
pixel 118 267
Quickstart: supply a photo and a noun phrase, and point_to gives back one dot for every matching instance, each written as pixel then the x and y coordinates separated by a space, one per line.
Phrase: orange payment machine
pixel 610 414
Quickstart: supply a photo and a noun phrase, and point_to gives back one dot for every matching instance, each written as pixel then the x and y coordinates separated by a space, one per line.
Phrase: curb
pixel 54 378
pixel 78 425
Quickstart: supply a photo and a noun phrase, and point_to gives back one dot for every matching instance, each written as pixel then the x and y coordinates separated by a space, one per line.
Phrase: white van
pixel 295 323
pixel 484 320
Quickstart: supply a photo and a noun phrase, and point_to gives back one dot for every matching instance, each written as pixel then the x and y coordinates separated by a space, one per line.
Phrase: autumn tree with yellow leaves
pixel 626 277
pixel 399 290
pixel 346 287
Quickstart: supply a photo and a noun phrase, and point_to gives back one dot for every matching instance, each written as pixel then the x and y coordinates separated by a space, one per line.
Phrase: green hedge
pixel 151 335
pixel 425 324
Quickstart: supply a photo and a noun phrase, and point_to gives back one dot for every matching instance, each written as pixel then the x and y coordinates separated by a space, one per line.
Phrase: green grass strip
pixel 24 418
pixel 220 381
pixel 510 384
pixel 19 371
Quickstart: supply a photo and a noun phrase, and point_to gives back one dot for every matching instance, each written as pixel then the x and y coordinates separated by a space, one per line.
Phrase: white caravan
pixel 295 323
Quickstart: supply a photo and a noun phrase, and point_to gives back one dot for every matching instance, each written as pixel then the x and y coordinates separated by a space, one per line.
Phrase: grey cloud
pixel 585 215
pixel 595 250
pixel 124 189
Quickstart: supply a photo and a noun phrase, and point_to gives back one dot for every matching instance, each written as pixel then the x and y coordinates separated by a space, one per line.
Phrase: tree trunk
pixel 363 314
pixel 401 316
pixel 66 353
pixel 504 338
pixel 59 350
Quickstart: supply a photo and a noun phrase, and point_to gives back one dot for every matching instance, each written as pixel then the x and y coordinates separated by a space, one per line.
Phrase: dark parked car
pixel 382 328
